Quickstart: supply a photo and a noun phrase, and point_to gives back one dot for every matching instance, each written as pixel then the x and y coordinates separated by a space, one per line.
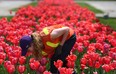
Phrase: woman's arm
pixel 59 32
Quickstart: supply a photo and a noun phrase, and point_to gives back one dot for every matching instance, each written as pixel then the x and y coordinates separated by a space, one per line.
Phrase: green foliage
pixel 8 17
pixel 85 5
pixel 110 21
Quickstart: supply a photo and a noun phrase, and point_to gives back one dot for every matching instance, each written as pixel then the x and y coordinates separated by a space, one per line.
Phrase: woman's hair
pixel 36 45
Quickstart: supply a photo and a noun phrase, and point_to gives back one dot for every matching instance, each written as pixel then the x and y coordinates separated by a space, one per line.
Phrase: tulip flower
pixel 22 60
pixel 6 63
pixel 43 61
pixel 10 68
pixel 71 58
pixel 41 69
pixel 13 60
pixel 1 61
pixel 106 67
pixel 71 64
pixel 46 72
pixel 35 65
pixel 58 63
pixel 21 68
pixel 3 55
pixel 32 60
pixel 65 70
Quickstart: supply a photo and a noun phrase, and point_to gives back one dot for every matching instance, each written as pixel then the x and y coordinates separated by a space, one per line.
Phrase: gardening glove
pixel 58 50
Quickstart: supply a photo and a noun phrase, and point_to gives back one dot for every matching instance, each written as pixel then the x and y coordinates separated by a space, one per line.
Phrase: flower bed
pixel 95 47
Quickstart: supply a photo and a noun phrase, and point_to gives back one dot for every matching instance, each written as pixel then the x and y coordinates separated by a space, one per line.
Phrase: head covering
pixel 25 43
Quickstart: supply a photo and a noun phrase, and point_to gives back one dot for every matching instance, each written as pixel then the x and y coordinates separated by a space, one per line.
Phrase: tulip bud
pixel 35 65
pixel 71 64
pixel 58 63
pixel 10 68
pixel 1 61
pixel 13 60
pixel 2 55
pixel 6 63
pixel 22 60
pixel 1 49
pixel 43 61
pixel 71 58
pixel 21 68
pixel 41 69
pixel 46 72
pixel 80 49
pixel 32 60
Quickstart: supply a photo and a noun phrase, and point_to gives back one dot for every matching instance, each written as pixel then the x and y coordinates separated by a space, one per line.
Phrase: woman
pixel 54 42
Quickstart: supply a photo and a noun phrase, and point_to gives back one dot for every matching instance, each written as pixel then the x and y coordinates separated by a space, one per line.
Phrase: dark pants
pixel 65 52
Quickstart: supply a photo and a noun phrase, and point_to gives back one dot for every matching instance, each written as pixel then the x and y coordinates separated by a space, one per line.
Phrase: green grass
pixel 32 4
pixel 91 8
pixel 8 17
pixel 111 22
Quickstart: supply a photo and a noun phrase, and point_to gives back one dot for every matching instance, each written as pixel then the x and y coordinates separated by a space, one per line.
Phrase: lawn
pixel 8 17
pixel 85 5
pixel 111 22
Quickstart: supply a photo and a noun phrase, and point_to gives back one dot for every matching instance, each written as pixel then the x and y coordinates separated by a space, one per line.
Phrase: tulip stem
pixel 3 69
pixel 91 70
pixel 100 70
pixel 78 62
pixel 114 71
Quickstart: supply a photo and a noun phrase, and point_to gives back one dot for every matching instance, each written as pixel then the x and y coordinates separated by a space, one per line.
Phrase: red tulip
pixel 1 49
pixel 1 61
pixel 46 72
pixel 41 69
pixel 71 64
pixel 62 70
pixel 84 61
pixel 13 60
pixel 58 63
pixel 65 70
pixel 80 49
pixel 114 33
pixel 43 61
pixel 10 68
pixel 32 60
pixel 35 65
pixel 113 64
pixel 83 66
pixel 22 60
pixel 97 64
pixel 106 60
pixel 2 55
pixel 17 53
pixel 6 63
pixel 21 68
pixel 86 43
pixel 71 58
pixel 107 67
pixel 90 62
